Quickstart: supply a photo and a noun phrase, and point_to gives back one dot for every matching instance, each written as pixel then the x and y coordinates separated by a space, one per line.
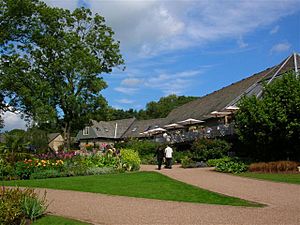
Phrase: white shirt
pixel 168 152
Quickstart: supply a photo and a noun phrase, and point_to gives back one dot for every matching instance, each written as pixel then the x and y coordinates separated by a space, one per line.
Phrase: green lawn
pixel 57 220
pixel 278 177
pixel 139 184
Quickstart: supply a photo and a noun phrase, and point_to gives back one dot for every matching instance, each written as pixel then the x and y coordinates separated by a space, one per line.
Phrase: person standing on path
pixel 168 155
pixel 159 156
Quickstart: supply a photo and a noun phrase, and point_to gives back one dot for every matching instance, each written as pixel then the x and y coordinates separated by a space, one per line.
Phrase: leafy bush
pixel 214 162
pixel 17 205
pixel 143 147
pixel 187 162
pixel 179 155
pixel 148 159
pixel 130 159
pixel 42 174
pixel 274 167
pixel 204 149
pixel 231 167
pixel 33 207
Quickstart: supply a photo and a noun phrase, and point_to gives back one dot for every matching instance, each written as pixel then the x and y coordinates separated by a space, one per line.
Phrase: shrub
pixel 42 174
pixel 130 159
pixel 204 149
pixel 143 147
pixel 274 167
pixel 231 167
pixel 33 207
pixel 179 155
pixel 18 205
pixel 148 159
pixel 187 162
pixel 214 162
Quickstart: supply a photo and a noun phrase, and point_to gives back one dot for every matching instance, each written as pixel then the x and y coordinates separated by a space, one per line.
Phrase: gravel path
pixel 283 202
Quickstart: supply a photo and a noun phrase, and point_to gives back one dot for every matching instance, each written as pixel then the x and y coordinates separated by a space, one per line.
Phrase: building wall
pixel 58 141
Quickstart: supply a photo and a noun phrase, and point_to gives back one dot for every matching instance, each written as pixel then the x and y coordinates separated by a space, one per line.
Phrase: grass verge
pixel 57 220
pixel 277 177
pixel 139 184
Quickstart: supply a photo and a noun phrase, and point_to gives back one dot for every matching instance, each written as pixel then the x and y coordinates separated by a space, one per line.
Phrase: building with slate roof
pixel 200 109
pixel 103 132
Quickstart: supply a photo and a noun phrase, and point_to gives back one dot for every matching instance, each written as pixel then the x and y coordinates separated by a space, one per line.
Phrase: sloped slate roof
pixel 142 125
pixel 111 129
pixel 52 136
pixel 218 100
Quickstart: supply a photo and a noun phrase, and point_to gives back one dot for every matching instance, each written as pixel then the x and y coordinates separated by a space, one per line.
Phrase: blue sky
pixel 190 47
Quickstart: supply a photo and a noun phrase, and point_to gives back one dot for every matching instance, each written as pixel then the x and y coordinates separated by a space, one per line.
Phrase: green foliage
pixel 164 106
pixel 204 149
pixel 130 159
pixel 49 173
pixel 16 205
pixel 148 159
pixel 214 162
pixel 33 207
pixel 52 60
pixel 269 127
pixel 15 142
pixel 231 167
pixel 179 155
pixel 144 148
pixel 187 162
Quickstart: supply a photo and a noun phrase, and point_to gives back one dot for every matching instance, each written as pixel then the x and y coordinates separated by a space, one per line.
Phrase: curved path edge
pixel 282 199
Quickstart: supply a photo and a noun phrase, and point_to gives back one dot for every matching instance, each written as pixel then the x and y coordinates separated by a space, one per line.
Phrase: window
pixel 86 131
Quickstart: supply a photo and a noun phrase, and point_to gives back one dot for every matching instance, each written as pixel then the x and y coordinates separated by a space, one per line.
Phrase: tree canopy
pixel 269 127
pixel 52 61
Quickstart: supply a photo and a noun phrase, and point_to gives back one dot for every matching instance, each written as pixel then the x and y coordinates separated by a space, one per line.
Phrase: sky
pixel 187 47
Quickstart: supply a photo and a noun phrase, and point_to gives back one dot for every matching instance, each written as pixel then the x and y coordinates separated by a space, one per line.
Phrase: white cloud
pixel 126 90
pixel 125 101
pixel 150 27
pixel 13 121
pixel 281 47
pixel 241 43
pixel 131 82
pixel 274 30
pixel 175 83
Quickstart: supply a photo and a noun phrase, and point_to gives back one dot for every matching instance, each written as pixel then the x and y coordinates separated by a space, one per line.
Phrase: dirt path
pixel 283 202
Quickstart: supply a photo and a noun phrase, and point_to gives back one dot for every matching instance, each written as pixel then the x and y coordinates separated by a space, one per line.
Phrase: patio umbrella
pixel 232 108
pixel 190 121
pixel 156 130
pixel 220 114
pixel 173 126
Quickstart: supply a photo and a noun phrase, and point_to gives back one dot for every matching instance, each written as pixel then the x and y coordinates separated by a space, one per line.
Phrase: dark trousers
pixel 169 163
pixel 159 163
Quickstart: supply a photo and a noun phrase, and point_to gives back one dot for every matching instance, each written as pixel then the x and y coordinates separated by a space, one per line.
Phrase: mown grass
pixel 150 185
pixel 57 220
pixel 277 177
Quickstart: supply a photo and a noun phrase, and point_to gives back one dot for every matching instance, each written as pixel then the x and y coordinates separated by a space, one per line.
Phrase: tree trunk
pixel 67 130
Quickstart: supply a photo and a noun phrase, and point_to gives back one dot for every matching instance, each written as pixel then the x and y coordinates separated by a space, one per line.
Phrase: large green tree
pixel 52 70
pixel 269 127
pixel 164 106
